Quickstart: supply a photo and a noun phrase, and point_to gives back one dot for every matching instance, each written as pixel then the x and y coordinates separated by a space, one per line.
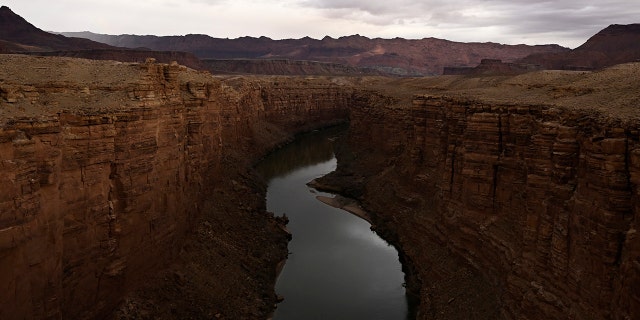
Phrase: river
pixel 337 267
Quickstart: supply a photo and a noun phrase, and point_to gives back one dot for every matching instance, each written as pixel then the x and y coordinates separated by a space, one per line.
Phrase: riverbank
pixel 346 204
pixel 337 267
pixel 343 187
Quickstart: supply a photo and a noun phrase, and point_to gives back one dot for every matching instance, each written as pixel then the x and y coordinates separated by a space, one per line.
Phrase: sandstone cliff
pixel 512 198
pixel 113 171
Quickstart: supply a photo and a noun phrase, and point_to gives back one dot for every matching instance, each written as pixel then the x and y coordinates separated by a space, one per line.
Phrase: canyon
pixel 129 191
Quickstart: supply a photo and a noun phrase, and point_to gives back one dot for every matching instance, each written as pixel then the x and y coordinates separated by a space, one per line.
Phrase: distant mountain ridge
pixel 17 35
pixel 283 67
pixel 349 55
pixel 397 56
pixel 614 44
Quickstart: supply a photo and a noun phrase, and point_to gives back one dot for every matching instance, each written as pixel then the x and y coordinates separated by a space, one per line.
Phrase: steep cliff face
pixel 535 190
pixel 108 168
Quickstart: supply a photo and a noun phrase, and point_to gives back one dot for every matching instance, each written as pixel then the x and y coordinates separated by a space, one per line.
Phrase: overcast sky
pixel 565 22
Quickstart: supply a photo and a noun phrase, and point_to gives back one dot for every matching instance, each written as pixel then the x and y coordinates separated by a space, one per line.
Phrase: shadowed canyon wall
pixel 539 200
pixel 105 168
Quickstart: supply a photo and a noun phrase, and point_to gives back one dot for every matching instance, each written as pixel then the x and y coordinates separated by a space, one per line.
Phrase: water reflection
pixel 338 268
pixel 309 149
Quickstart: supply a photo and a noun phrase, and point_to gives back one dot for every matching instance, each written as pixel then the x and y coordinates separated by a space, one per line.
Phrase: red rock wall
pixel 91 200
pixel 540 201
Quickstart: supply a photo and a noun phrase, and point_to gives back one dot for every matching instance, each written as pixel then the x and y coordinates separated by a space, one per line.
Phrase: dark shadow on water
pixel 337 268
pixel 306 150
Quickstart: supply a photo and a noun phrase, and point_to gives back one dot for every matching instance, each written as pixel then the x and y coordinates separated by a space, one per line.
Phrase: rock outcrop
pixel 109 169
pixel 510 198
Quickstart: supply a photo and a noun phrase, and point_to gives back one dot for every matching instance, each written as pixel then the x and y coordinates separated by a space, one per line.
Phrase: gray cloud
pixel 210 2
pixel 387 11
pixel 566 22
pixel 524 18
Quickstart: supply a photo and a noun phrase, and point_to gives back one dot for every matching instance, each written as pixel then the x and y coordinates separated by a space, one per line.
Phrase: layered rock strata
pixel 509 197
pixel 108 169
pixel 514 200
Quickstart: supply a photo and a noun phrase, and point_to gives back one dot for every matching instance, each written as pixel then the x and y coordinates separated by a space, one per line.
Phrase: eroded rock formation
pixel 108 169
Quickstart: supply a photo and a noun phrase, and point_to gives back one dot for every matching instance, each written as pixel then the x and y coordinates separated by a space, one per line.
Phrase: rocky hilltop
pixel 20 35
pixel 613 45
pixel 392 56
pixel 17 35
